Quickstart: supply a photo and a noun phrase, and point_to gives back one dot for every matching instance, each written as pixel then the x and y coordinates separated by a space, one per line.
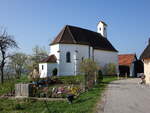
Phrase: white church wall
pixel 43 70
pixel 106 57
pixel 77 52
pixel 54 49
pixel 51 67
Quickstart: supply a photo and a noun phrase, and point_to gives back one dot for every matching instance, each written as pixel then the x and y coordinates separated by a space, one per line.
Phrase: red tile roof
pixel 126 59
pixel 50 59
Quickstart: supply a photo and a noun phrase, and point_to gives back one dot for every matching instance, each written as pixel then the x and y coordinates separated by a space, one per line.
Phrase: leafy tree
pixel 89 68
pixel 6 42
pixel 110 69
pixel 18 62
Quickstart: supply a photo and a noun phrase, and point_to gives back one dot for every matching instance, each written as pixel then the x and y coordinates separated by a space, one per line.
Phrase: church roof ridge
pixel 76 35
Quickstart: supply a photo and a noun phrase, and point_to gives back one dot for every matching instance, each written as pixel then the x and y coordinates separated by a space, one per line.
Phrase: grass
pixel 85 103
pixel 9 85
pixel 71 79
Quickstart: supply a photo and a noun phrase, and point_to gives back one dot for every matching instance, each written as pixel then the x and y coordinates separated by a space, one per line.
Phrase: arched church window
pixel 54 72
pixel 68 58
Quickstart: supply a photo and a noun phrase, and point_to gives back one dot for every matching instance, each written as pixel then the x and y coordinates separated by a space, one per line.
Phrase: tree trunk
pixel 17 74
pixel 85 82
pixel 2 67
pixel 18 71
pixel 2 75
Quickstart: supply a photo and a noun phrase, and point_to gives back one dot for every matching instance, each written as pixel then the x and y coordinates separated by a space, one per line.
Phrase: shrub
pixel 1 109
pixel 99 76
pixel 89 68
pixel 18 107
pixel 110 69
pixel 67 79
pixel 71 79
pixel 49 93
pixel 38 93
pixel 55 80
pixel 42 95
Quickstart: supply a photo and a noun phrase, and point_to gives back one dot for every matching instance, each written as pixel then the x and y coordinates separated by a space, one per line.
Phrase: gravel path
pixel 126 96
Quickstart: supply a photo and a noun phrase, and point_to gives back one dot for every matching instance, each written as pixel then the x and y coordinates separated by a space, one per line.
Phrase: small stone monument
pixel 23 90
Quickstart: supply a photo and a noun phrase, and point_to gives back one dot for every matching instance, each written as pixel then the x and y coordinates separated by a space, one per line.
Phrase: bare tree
pixel 39 54
pixel 32 62
pixel 6 42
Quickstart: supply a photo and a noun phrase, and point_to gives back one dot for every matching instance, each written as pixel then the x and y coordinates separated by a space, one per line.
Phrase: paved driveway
pixel 126 96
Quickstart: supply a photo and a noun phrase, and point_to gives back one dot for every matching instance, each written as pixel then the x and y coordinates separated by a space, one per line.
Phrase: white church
pixel 72 45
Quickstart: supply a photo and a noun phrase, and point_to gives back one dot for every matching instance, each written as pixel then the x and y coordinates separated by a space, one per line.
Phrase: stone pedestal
pixel 23 90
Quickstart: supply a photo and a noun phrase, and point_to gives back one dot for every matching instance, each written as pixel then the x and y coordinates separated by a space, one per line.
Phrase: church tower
pixel 102 28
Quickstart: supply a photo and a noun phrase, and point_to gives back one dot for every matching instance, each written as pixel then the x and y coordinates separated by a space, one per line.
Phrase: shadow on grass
pixel 104 83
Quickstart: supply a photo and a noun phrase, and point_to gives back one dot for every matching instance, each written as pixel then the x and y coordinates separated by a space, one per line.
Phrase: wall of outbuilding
pixel 43 72
pixel 147 70
pixel 47 69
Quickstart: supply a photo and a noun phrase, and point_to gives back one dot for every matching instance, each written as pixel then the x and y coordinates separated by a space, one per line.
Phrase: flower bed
pixel 57 91
pixel 54 87
pixel 58 87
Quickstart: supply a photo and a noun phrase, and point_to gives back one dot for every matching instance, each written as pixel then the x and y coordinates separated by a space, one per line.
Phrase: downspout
pixel 58 63
pixel 89 52
pixel 93 53
pixel 75 62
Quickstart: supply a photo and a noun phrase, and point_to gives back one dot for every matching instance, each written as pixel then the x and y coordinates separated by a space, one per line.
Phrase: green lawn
pixel 7 86
pixel 85 103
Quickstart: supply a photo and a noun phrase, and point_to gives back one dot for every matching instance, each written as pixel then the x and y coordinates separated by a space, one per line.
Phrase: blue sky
pixel 37 22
